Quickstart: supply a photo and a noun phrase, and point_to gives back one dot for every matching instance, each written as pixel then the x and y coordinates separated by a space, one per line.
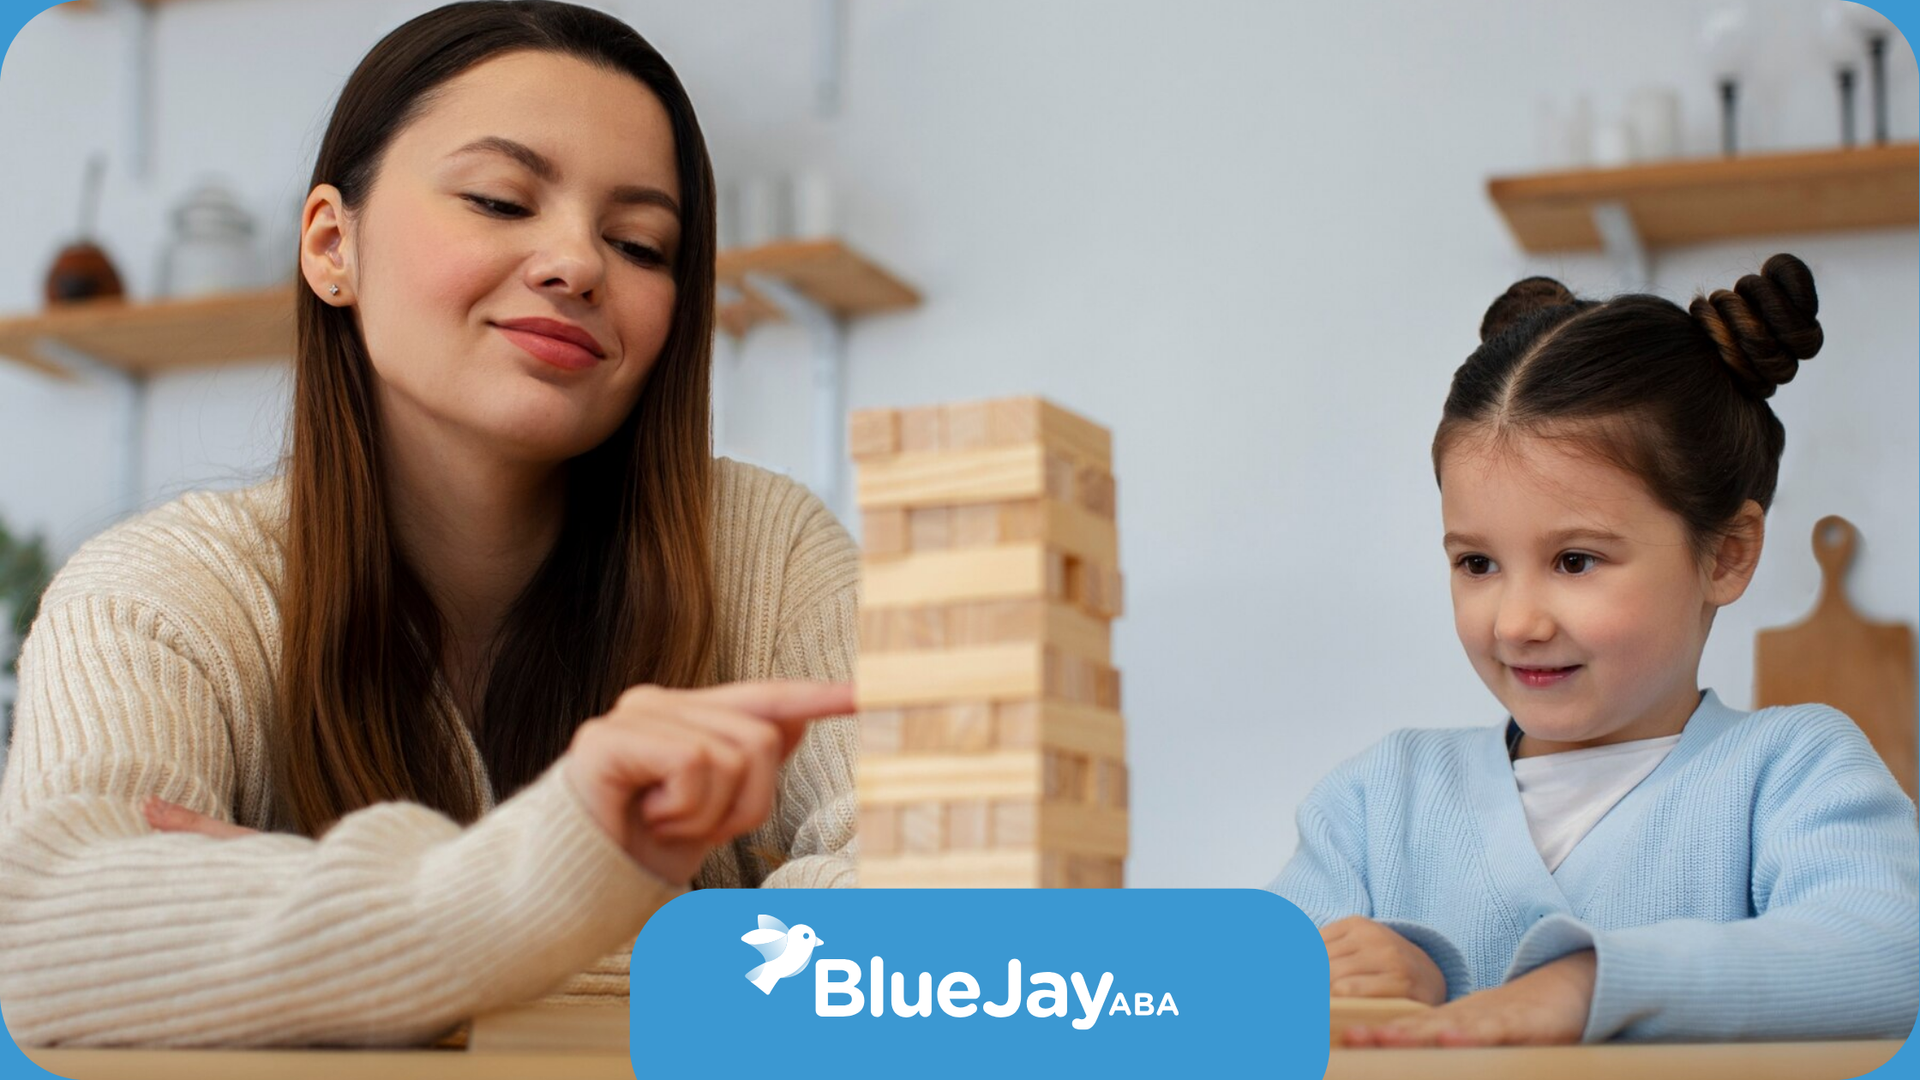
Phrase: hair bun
pixel 1522 299
pixel 1765 325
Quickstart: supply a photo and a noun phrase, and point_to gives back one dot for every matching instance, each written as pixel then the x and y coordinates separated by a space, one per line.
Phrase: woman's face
pixel 536 196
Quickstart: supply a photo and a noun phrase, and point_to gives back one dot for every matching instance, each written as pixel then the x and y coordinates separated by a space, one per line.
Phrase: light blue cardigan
pixel 1759 884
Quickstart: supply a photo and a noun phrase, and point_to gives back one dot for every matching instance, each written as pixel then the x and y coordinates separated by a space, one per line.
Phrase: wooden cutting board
pixel 1837 658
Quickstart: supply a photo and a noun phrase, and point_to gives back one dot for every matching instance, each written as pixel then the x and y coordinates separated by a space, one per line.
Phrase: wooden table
pixel 326 1065
pixel 585 1041
pixel 1695 1061
pixel 590 1043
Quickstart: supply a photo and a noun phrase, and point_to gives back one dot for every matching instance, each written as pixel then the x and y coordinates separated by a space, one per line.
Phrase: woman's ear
pixel 326 246
pixel 1737 555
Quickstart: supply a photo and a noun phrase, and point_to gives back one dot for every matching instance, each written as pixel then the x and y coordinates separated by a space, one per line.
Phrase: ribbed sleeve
pixel 1762 883
pixel 150 672
pixel 1833 949
pixel 393 927
pixel 816 583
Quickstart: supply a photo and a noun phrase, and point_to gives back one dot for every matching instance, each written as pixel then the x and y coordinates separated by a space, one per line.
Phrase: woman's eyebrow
pixel 541 166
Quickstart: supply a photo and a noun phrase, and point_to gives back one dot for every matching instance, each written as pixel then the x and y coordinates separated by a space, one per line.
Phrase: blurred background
pixel 1253 239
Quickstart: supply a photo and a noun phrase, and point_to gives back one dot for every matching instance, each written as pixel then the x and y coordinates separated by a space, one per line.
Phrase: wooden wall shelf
pixel 829 273
pixel 154 338
pixel 1687 202
pixel 171 335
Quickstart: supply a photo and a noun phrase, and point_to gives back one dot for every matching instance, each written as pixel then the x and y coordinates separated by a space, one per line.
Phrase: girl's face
pixel 534 187
pixel 1577 596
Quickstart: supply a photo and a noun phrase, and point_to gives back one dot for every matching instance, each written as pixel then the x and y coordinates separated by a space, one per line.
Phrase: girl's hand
pixel 669 774
pixel 1546 1005
pixel 1365 959
pixel 169 817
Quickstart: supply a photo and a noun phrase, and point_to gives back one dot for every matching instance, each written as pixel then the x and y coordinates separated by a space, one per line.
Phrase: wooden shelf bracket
pixel 134 391
pixel 828 334
pixel 1621 239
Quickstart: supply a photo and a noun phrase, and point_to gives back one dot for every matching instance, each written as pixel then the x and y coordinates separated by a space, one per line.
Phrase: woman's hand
pixel 1546 1005
pixel 1365 959
pixel 170 817
pixel 669 774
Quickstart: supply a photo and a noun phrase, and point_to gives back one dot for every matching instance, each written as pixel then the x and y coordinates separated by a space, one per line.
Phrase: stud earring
pixel 333 290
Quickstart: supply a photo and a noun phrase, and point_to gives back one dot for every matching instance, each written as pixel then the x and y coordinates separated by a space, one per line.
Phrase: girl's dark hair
pixel 1676 398
pixel 626 595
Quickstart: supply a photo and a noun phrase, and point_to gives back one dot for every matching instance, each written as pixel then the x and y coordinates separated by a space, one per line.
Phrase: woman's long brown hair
pixel 625 597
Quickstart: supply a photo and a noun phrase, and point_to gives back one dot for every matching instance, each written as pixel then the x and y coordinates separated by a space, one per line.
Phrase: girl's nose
pixel 1522 617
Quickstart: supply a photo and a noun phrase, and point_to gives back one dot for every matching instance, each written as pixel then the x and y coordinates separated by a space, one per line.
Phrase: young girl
pixel 434 710
pixel 1626 855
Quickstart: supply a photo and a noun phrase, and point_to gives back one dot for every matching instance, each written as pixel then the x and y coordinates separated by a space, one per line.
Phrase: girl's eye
pixel 1475 565
pixel 1577 562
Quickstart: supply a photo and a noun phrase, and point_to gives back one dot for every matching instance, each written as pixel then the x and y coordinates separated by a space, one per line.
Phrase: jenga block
pixel 1110 784
pixel 930 528
pixel 1028 420
pixel 970 726
pixel 992 672
pixel 880 732
pixel 1016 724
pixel 1093 488
pixel 941 777
pixel 1016 823
pixel 920 628
pixel 1096 589
pixel 1070 528
pixel 923 827
pixel 940 577
pixel 996 672
pixel 873 433
pixel 970 425
pixel 964 476
pixel 922 430
pixel 879 830
pixel 1097 733
pixel 978 525
pixel 1077 679
pixel 985 622
pixel 1059 478
pixel 1083 828
pixel 967 824
pixel 990 869
pixel 883 532
pixel 1067 527
pixel 1069 870
pixel 923 729
pixel 1063 776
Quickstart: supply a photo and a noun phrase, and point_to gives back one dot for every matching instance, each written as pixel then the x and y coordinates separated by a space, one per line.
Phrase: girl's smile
pixel 1541 678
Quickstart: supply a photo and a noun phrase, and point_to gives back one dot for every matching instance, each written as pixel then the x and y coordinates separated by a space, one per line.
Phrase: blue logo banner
pixel 949 982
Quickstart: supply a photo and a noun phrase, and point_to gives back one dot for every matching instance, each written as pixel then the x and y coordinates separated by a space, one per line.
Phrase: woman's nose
pixel 568 262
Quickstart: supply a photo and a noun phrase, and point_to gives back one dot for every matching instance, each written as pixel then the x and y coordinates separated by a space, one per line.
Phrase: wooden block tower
pixel 993 750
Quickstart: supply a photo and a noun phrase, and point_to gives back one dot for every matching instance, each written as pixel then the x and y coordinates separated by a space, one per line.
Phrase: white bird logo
pixel 787 951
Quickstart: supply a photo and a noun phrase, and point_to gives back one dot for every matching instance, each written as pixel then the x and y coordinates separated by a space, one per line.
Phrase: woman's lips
pixel 1541 677
pixel 561 354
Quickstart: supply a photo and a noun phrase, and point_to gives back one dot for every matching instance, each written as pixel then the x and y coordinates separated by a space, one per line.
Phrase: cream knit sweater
pixel 150 671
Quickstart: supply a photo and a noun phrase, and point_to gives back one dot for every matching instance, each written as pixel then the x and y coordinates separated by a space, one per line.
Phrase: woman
pixel 499 514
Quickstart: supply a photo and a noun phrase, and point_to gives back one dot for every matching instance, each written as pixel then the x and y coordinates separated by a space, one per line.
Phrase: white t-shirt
pixel 1566 794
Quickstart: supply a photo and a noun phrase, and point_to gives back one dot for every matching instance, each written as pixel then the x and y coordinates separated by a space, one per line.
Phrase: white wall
pixel 1252 238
